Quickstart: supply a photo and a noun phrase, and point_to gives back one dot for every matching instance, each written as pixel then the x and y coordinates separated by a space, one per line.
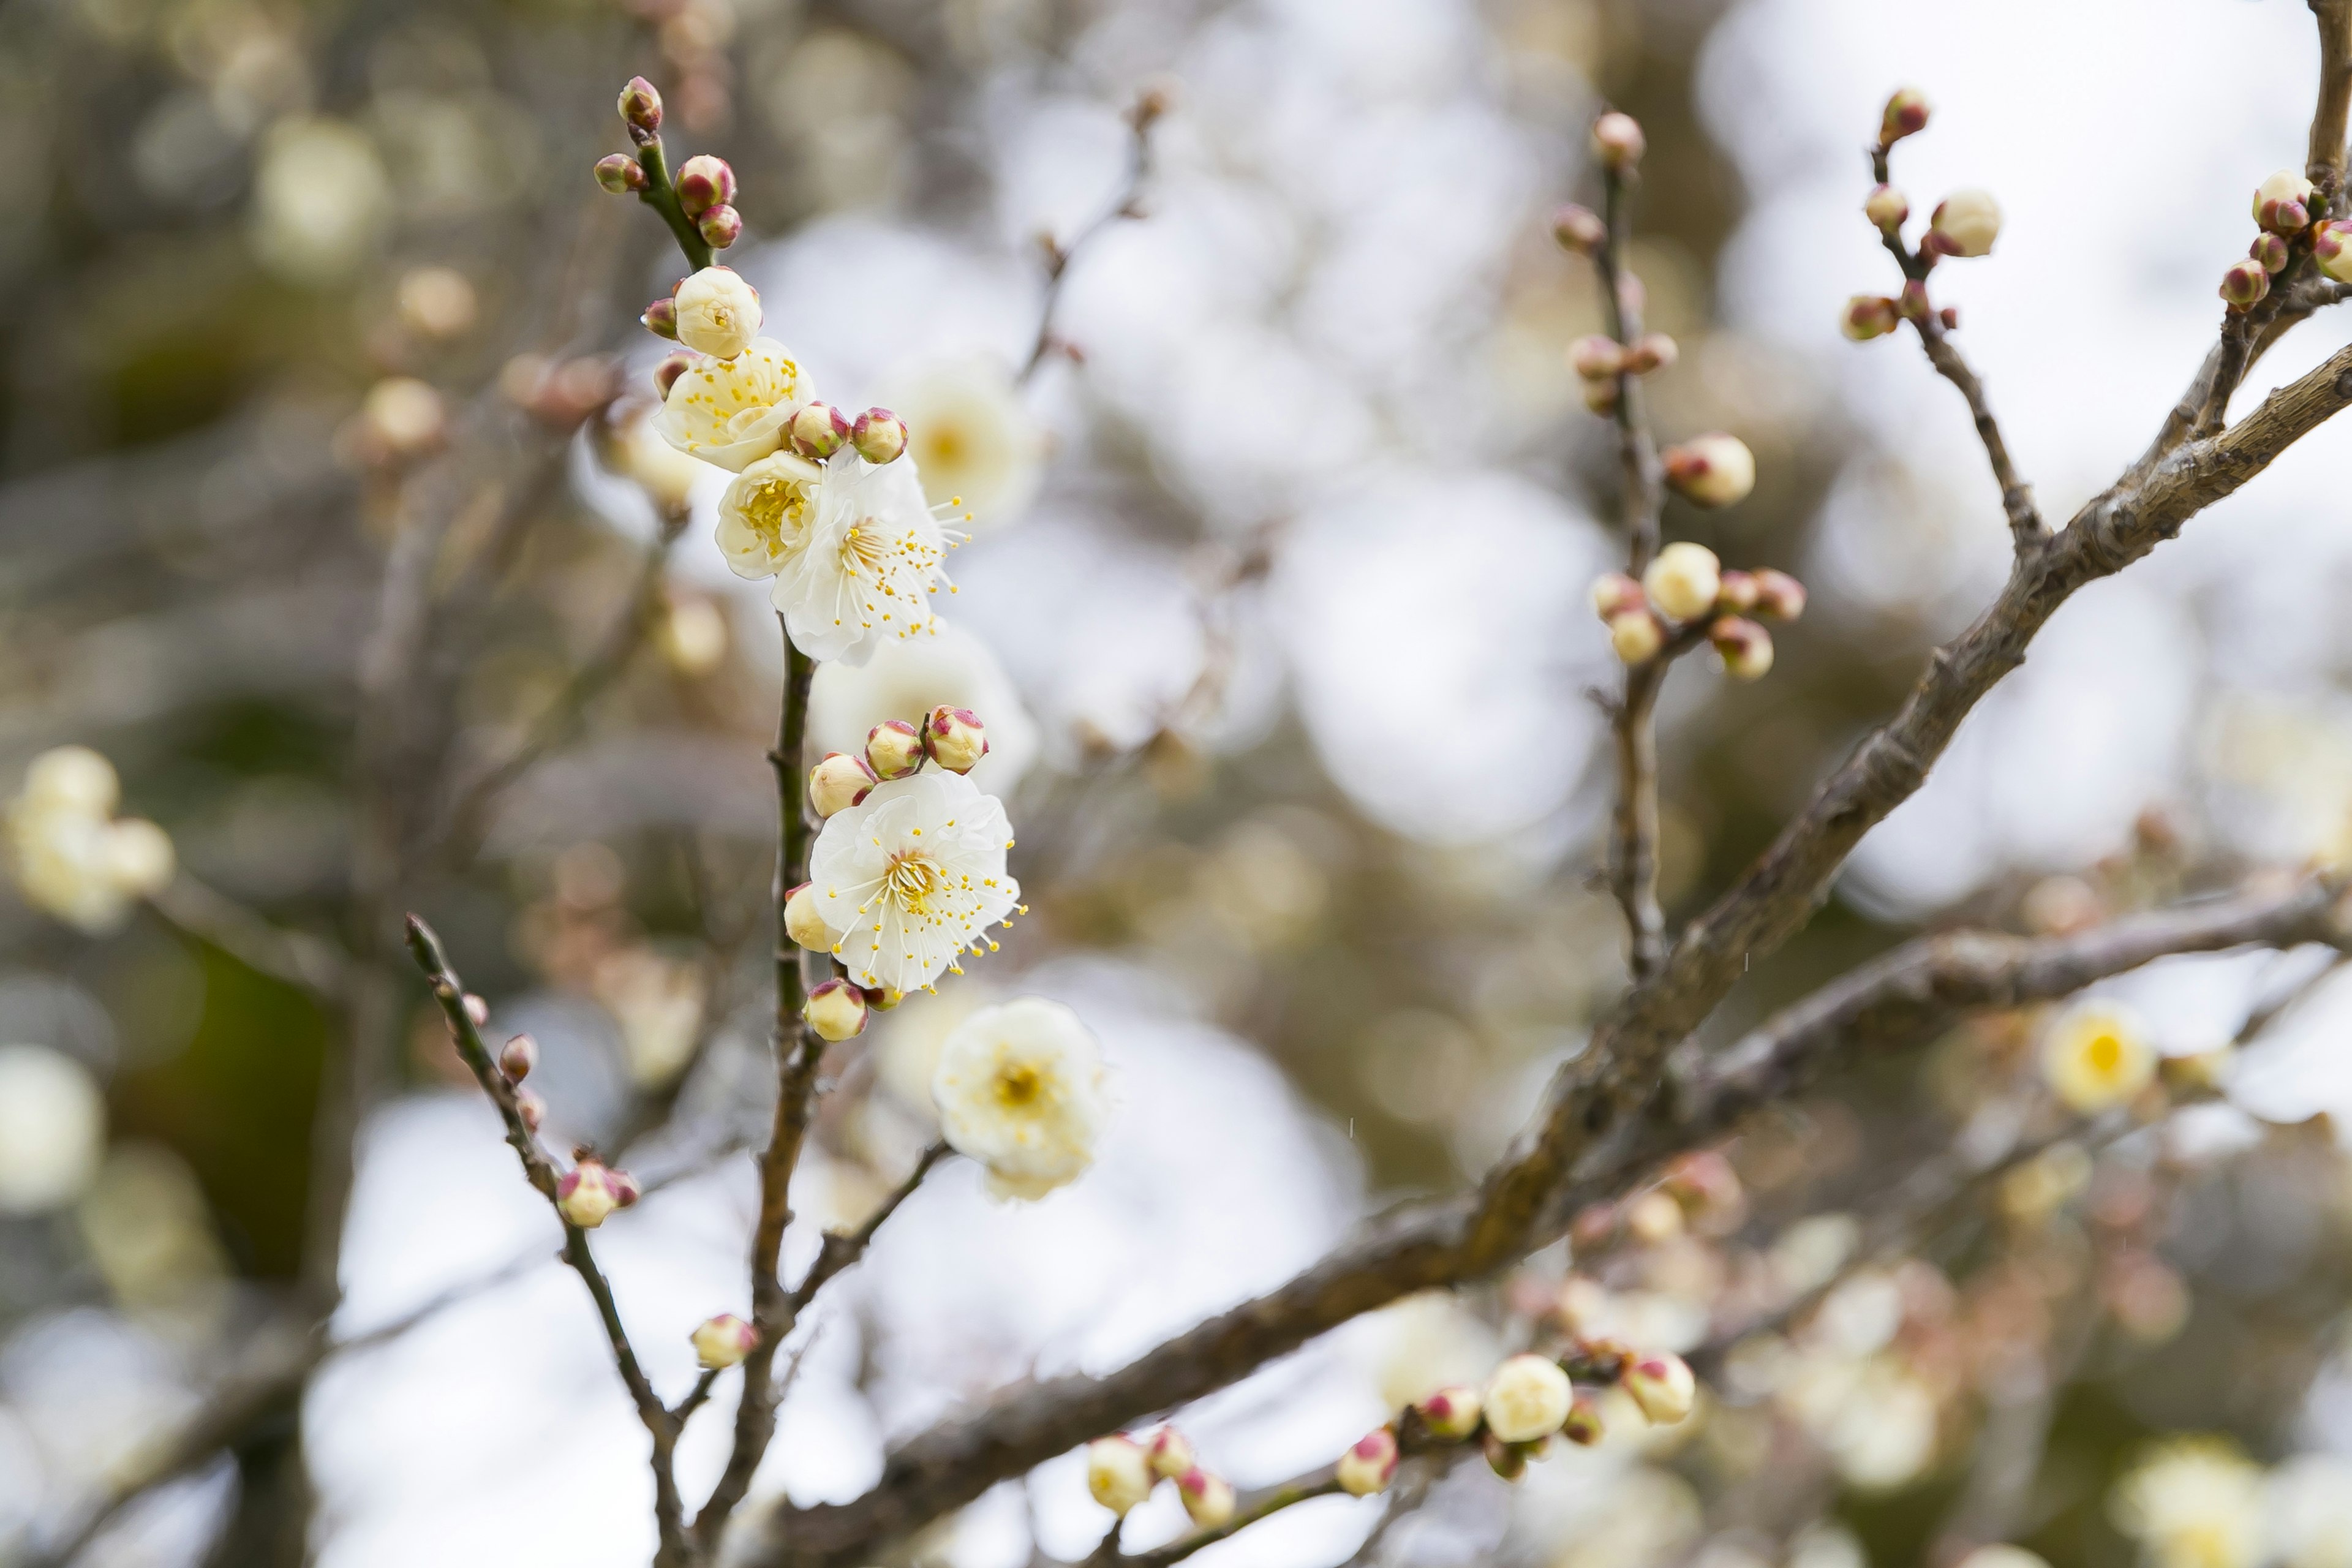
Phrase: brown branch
pixel 2324 164
pixel 2025 524
pixel 297 958
pixel 1273 1500
pixel 1149 106
pixel 844 1247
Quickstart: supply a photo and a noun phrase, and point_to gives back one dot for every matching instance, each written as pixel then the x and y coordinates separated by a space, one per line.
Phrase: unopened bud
pixel 1451 1413
pixel 1614 594
pixel 1738 591
pixel 620 173
pixel 666 374
pixel 1714 469
pixel 1684 580
pixel 1508 1461
pixel 478 1011
pixel 2282 202
pixel 641 107
pixel 1950 316
pixel 401 417
pixel 531 1107
pixel 2271 251
pixel 1651 351
pixel 1704 1183
pixel 1583 1425
pixel 1526 1398
pixel 893 749
pixel 723 1341
pixel 1579 229
pixel 720 227
pixel 2245 283
pixel 626 1190
pixel 2331 247
pixel 838 781
pixel 879 435
pixel 1601 396
pixel 836 1010
pixel 1746 647
pixel 518 1057
pixel 1966 223
pixel 1905 115
pixel 1594 357
pixel 718 313
pixel 1617 141
pixel 660 319
pixel 703 182
pixel 1636 635
pixel 1208 1498
pixel 1886 206
pixel 1868 316
pixel 1118 1473
pixel 817 430
pixel 586 1195
pixel 1653 1218
pixel 1369 1465
pixel 882 998
pixel 955 738
pixel 1779 596
pixel 1171 1453
pixel 1662 1386
pixel 802 921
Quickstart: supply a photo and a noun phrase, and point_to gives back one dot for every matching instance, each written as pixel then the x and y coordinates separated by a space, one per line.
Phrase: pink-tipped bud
pixel 893 749
pixel 1595 358
pixel 1737 592
pixel 955 738
pixel 802 924
pixel 836 1010
pixel 1636 635
pixel 1746 647
pixel 1617 142
pixel 2282 202
pixel 1950 316
pixel 666 374
pixel 531 1107
pixel 2271 251
pixel 1714 469
pixel 1583 1427
pixel 476 1010
pixel 1868 316
pixel 1651 351
pixel 1508 1461
pixel 882 998
pixel 626 1190
pixel 1601 396
pixel 838 781
pixel 1779 596
pixel 1662 1386
pixel 2331 247
pixel 1118 1474
pixel 640 108
pixel 586 1195
pixel 720 227
pixel 1653 1219
pixel 660 319
pixel 1683 579
pixel 1171 1453
pixel 1526 1398
pixel 518 1057
pixel 879 435
pixel 1208 1498
pixel 620 173
pixel 1369 1465
pixel 2245 284
pixel 1579 229
pixel 1614 594
pixel 818 431
pixel 1966 223
pixel 1886 206
pixel 1451 1413
pixel 703 182
pixel 1905 115
pixel 723 1341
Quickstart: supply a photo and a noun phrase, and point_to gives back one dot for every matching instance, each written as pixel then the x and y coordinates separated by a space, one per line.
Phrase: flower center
pixel 911 881
pixel 1018 1084
pixel 863 551
pixel 777 513
pixel 2105 1052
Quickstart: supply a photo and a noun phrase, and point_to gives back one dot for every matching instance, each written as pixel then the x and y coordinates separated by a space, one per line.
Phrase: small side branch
pixel 305 962
pixel 1273 1500
pixel 843 1248
pixel 1141 115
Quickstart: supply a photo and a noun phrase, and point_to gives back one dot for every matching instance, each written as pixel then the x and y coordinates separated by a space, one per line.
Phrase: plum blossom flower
pixel 1020 1088
pixel 972 437
pixel 72 857
pixel 854 549
pixel 733 412
pixel 906 678
pixel 2193 1502
pixel 717 313
pixel 909 878
pixel 2098 1055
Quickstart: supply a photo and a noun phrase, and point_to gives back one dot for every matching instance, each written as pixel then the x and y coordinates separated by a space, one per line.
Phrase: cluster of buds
pixel 592 1190
pixel 1685 585
pixel 2287 210
pixel 723 1341
pixel 704 188
pixel 947 737
pixel 1966 223
pixel 1604 362
pixel 1122 1472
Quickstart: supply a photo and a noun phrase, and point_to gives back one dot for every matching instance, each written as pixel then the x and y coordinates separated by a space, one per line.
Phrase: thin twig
pixel 300 959
pixel 1273 1500
pixel 843 1248
pixel 1059 254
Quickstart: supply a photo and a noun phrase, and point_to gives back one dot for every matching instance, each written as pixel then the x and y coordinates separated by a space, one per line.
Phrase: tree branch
pixel 843 1248
pixel 1149 106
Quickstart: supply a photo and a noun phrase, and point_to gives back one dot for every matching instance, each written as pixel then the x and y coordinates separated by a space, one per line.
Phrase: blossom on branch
pixel 733 412
pixel 911 876
pixel 2098 1055
pixel 72 857
pixel 1019 1088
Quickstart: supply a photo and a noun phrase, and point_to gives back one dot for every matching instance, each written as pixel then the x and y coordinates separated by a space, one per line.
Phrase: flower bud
pixel 1451 1413
pixel 641 107
pixel 1886 206
pixel 893 749
pixel 2271 251
pixel 838 781
pixel 1583 1425
pixel 2245 283
pixel 518 1057
pixel 1614 594
pixel 1779 596
pixel 1746 647
pixel 1966 223
pixel 478 1012
pixel 1711 471
pixel 626 1190
pixel 1208 1498
pixel 1684 580
pixel 1579 229
pixel 1738 591
pixel 660 319
pixel 401 417
pixel 1526 1398
pixel 817 430
pixel 2282 202
pixel 836 1010
pixel 1905 115
pixel 586 1195
pixel 703 182
pixel 1635 636
pixel 1651 350
pixel 1915 303
pixel 1594 357
pixel 723 1341
pixel 720 227
pixel 1653 1218
pixel 802 921
pixel 1617 142
pixel 719 314
pixel 666 374
pixel 531 1107
pixel 955 738
pixel 879 435
pixel 620 173
pixel 882 998
pixel 1950 316
pixel 2331 247
pixel 1508 1461
pixel 1600 396
pixel 1662 1386
pixel 1369 1465
pixel 1118 1473
pixel 1171 1453
pixel 1868 316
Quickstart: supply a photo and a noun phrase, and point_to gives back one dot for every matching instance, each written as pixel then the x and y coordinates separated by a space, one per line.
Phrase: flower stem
pixel 662 197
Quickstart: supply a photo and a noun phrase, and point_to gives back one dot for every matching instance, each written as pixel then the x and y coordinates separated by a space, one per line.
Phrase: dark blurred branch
pixel 305 962
pixel 1141 115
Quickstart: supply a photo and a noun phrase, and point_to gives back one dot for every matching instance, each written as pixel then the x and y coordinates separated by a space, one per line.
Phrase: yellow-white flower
pixel 71 856
pixel 717 313
pixel 321 197
pixel 912 875
pixel 864 564
pixel 763 515
pixel 2310 1508
pixel 972 437
pixel 733 412
pixel 2098 1055
pixel 52 1129
pixel 1019 1089
pixel 1118 1473
pixel 906 678
pixel 1527 1398
pixel 2193 1502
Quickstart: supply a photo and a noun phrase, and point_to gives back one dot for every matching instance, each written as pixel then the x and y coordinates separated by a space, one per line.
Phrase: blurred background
pixel 321 519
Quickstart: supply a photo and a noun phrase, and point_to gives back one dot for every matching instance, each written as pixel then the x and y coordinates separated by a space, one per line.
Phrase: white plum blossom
pixel 71 857
pixel 52 1129
pixel 906 678
pixel 911 876
pixel 733 412
pixel 972 437
pixel 763 515
pixel 1019 1089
